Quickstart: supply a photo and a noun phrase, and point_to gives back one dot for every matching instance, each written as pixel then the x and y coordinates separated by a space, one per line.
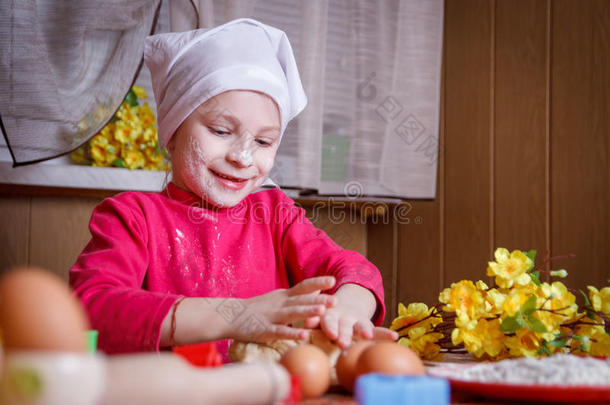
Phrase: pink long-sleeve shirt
pixel 149 249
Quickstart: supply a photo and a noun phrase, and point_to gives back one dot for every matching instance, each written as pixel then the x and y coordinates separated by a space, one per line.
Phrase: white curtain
pixel 372 72
pixel 65 68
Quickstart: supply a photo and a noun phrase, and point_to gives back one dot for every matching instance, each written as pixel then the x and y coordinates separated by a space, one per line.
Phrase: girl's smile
pixel 234 183
pixel 225 149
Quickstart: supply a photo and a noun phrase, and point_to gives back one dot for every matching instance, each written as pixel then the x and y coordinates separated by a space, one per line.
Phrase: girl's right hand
pixel 268 317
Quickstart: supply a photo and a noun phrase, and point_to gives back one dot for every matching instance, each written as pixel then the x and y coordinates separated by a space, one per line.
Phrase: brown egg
pixel 39 312
pixel 346 363
pixel 312 367
pixel 389 358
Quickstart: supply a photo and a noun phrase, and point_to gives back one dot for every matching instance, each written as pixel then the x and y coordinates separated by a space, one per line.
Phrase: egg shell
pixel 311 365
pixel 389 358
pixel 39 312
pixel 346 363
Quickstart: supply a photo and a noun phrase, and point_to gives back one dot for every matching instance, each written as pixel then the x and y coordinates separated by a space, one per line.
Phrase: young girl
pixel 214 256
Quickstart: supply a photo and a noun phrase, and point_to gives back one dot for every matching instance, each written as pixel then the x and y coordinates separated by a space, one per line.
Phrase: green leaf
pixel 521 319
pixel 544 349
pixel 535 325
pixel 119 163
pixel 587 302
pixel 528 306
pixel 535 276
pixel 590 314
pixel 131 98
pixel 510 325
pixel 559 342
pixel 532 255
pixel 577 337
pixel 157 151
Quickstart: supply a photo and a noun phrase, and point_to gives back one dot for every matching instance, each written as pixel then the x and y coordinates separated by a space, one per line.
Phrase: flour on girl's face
pixel 235 135
pixel 245 156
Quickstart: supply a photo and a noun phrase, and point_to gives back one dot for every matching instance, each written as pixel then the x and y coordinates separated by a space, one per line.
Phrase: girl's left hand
pixel 351 317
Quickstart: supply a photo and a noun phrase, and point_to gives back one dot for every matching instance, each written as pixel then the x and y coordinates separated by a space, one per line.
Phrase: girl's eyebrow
pixel 270 128
pixel 227 116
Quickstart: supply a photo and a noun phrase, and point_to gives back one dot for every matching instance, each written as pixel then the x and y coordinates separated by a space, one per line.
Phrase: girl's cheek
pixel 266 164
pixel 267 159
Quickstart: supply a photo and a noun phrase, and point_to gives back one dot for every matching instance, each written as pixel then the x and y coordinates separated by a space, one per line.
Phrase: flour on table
pixel 559 369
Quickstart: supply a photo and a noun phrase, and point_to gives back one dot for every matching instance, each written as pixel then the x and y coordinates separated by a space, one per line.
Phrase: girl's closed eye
pixel 264 142
pixel 220 131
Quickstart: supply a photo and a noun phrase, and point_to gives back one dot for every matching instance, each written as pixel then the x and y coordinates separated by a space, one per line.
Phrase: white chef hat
pixel 188 68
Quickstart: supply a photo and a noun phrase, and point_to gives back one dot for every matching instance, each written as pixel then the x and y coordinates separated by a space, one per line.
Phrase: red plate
pixel 526 392
pixel 547 393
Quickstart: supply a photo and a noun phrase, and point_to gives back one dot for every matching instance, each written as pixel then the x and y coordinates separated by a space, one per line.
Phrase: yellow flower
pixel 146 115
pixel 131 137
pixel 515 298
pixel 98 154
pixel 122 134
pixel 524 343
pixel 153 156
pixel 496 300
pixel 600 300
pixel 538 318
pixel 485 338
pixel 552 323
pixel 425 345
pixel 134 159
pixel 592 341
pixel 79 156
pixel 99 140
pixel 107 132
pixel 472 341
pixel 493 337
pixel 410 319
pixel 140 91
pixel 464 299
pixel 562 301
pixel 510 268
pixel 149 137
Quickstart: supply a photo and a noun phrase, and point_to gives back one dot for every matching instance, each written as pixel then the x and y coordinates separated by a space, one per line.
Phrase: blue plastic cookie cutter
pixel 375 389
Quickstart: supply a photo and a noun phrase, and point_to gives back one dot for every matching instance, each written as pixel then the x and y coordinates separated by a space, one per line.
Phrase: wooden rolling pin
pixel 161 379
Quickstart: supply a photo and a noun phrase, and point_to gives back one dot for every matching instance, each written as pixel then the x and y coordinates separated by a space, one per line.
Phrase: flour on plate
pixel 559 369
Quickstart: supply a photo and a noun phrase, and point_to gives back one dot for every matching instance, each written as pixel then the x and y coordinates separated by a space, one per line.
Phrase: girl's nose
pixel 241 154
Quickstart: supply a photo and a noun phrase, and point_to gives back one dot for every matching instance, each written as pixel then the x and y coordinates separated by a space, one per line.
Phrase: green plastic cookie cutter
pixel 91 340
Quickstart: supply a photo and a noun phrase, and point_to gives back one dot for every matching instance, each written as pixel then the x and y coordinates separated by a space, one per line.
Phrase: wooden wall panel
pixel 59 231
pixel 520 125
pixel 382 247
pixel 580 129
pixel 14 233
pixel 419 255
pixel 468 56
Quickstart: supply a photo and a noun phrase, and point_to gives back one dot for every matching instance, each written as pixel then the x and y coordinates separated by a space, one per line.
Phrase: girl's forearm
pixel 197 319
pixel 356 299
